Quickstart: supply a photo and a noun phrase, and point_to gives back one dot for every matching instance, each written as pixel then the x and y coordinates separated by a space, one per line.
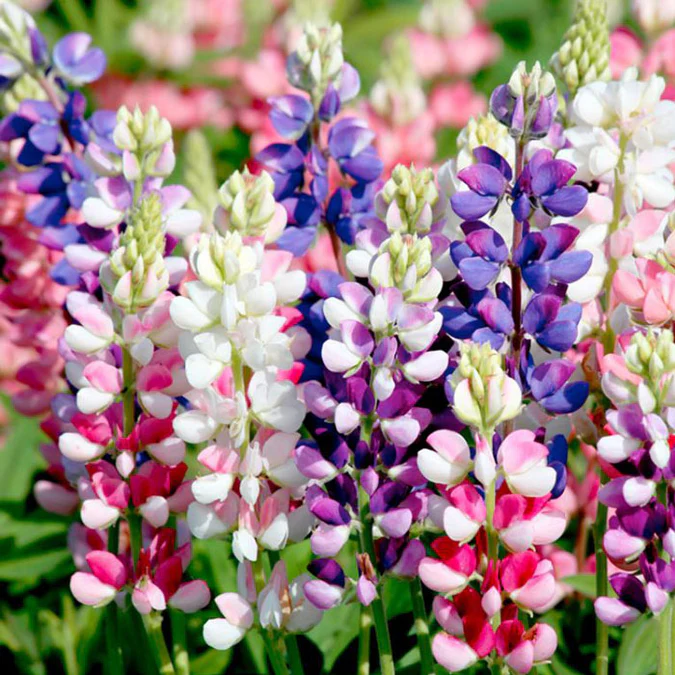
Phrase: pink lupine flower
pixel 626 51
pixel 522 649
pixel 528 579
pixel 109 498
pixel 452 570
pixel 525 464
pixel 100 586
pixel 651 292
pixel 453 105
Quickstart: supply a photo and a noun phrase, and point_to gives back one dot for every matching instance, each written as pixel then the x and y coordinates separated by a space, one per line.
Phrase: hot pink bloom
pixel 528 579
pixel 451 571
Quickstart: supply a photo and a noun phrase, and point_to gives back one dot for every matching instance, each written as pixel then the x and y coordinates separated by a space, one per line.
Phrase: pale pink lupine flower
pixel 625 51
pixel 453 105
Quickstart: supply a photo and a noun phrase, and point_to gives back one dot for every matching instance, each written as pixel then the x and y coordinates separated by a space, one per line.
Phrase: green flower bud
pixel 199 175
pixel 408 200
pixel 24 88
pixel 222 259
pixel 317 60
pixel 483 130
pixel 137 264
pixel 247 203
pixel 15 45
pixel 584 54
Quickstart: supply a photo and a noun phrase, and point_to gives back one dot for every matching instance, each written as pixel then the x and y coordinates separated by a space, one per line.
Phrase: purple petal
pixel 349 84
pixel 471 206
pixel 349 137
pixel 483 179
pixel 549 377
pixel 74 58
pixel 558 336
pixel 486 155
pixel 496 315
pixel 45 137
pixel 327 570
pixel 365 167
pixel 552 175
pixel 571 266
pixel 568 201
pixel 478 273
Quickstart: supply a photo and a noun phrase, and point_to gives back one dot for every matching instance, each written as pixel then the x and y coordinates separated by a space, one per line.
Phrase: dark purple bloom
pixel 551 388
pixel 630 590
pixel 557 459
pixel 350 145
pixel 481 317
pixel 553 324
pixel 480 256
pixel 330 104
pixel 533 120
pixel 77 61
pixel 543 183
pixel 543 257
pixel 327 570
pixel 488 181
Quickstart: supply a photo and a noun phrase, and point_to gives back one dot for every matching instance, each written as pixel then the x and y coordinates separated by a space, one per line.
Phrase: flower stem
pixel 115 663
pixel 179 643
pixel 601 580
pixel 129 394
pixel 421 627
pixel 365 629
pixel 294 657
pixel 153 627
pixel 665 641
pixel 379 614
pixel 601 589
pixel 275 653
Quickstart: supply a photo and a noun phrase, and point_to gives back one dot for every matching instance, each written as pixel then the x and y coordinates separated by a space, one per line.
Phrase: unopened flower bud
pixel 15 42
pixel 407 200
pixel 136 267
pixel 483 130
pixel 317 61
pixel 247 204
pixel 584 54
pixel 527 103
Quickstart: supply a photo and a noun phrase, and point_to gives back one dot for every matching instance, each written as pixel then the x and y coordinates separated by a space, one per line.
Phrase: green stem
pixel 601 589
pixel 115 664
pixel 294 657
pixel 129 394
pixel 275 653
pixel 365 629
pixel 665 639
pixel 179 643
pixel 379 615
pixel 422 627
pixel 153 628
pixel 601 579
pixel 135 535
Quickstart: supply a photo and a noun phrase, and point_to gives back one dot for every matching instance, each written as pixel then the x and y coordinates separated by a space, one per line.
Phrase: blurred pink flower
pixel 453 105
pixel 626 51
pixel 184 108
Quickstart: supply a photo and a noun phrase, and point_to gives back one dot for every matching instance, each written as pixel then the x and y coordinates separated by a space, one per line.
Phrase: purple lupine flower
pixel 480 256
pixel 544 184
pixel 544 257
pixel 291 115
pixel 480 316
pixel 488 181
pixel 551 322
pixel 550 385
pixel 77 61
pixel 350 144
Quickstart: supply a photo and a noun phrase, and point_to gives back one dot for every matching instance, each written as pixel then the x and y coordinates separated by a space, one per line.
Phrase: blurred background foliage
pixel 41 628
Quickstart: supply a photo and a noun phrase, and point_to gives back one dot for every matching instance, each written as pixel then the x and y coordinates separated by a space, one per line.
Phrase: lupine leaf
pixel 638 653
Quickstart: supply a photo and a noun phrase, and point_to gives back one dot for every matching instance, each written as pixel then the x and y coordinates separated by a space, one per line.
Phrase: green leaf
pixel 75 15
pixel 337 629
pixel 33 564
pixel 638 653
pixel 211 662
pixel 583 583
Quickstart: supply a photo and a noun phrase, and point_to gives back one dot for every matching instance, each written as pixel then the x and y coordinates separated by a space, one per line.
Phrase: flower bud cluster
pixel 247 206
pixel 584 54
pixel 317 61
pixel 527 103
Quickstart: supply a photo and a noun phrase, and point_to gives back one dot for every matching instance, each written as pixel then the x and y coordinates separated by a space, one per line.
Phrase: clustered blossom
pixel 500 491
pixel 640 382
pixel 417 394
pixel 328 174
pixel 240 347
